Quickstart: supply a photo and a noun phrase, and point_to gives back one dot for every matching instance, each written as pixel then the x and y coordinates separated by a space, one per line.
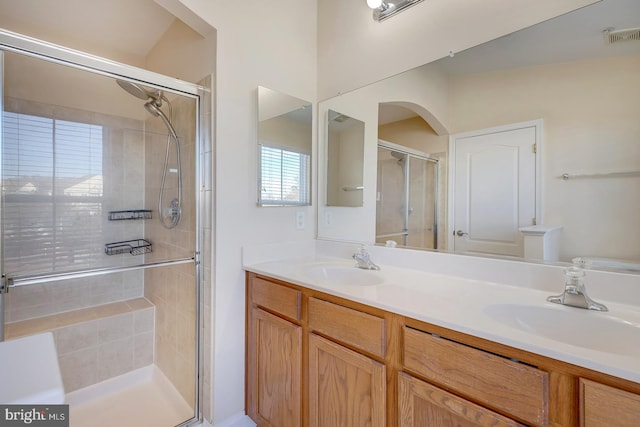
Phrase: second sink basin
pixel 583 328
pixel 344 276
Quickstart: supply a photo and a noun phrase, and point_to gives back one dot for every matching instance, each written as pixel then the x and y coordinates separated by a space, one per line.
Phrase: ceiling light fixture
pixel 385 9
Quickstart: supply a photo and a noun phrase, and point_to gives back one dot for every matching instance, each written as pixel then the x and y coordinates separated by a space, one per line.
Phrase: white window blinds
pixel 52 194
pixel 284 176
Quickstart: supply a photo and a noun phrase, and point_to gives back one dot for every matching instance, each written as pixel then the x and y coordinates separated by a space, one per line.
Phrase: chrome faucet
pixel 363 259
pixel 575 293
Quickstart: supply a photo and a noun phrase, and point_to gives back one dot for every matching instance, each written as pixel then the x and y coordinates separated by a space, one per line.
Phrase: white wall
pixel 354 50
pixel 272 44
pixel 181 53
pixel 590 111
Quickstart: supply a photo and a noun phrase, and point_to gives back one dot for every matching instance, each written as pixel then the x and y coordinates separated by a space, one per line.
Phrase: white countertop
pixel 463 305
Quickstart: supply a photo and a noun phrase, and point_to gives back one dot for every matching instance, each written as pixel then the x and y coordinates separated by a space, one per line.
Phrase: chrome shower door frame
pixel 24 45
pixel 406 208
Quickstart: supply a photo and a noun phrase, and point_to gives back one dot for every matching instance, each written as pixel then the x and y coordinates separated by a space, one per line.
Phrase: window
pixel 285 176
pixel 52 190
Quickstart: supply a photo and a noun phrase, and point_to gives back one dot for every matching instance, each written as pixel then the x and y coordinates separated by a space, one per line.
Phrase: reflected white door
pixel 494 189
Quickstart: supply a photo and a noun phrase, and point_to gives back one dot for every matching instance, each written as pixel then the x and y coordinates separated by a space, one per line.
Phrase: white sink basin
pixel 328 275
pixel 579 327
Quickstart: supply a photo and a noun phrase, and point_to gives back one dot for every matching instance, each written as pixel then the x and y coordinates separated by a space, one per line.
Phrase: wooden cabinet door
pixel 345 388
pixel 601 405
pixel 422 404
pixel 274 370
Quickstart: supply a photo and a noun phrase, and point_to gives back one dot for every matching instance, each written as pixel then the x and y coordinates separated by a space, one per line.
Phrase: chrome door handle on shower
pixel 460 233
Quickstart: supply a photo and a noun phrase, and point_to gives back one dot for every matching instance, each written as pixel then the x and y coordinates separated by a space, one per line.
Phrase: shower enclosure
pixel 101 228
pixel 407 197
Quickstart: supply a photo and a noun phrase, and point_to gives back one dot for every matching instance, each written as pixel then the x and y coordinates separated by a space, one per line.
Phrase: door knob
pixel 460 233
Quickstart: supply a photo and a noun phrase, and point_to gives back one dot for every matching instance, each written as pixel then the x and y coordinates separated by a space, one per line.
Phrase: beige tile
pixel 171 327
pixel 28 296
pixel 77 337
pixel 74 317
pixel 142 350
pixel 28 327
pixel 31 312
pixel 70 290
pixel 139 303
pixel 111 309
pixel 164 357
pixel 130 294
pixel 111 297
pixel 79 369
pixel 186 335
pixel 135 278
pixel 78 303
pixel 115 358
pixel 106 284
pixel 143 320
pixel 161 320
pixel 186 295
pixel 115 328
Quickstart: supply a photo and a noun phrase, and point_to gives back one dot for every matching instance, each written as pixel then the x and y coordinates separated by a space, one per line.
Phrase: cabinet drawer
pixel 515 388
pixel 422 404
pixel 349 326
pixel 277 298
pixel 602 405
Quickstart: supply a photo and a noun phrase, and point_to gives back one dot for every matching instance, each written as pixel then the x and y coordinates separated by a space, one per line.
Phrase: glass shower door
pixel 391 197
pixel 86 254
pixel 422 219
pixel 406 208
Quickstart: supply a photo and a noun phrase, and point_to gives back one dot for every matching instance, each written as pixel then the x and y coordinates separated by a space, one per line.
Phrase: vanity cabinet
pixel 274 356
pixel 602 405
pixel 316 359
pixel 346 387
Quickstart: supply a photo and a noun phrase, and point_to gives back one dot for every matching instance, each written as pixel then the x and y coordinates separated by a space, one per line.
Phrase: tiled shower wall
pixel 173 289
pixel 123 187
pixel 102 325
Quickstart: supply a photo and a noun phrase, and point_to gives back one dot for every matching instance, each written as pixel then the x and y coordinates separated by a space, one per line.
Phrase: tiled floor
pixel 138 399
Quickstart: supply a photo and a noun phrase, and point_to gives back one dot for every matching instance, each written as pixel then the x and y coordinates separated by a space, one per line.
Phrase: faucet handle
pixel 362 249
pixel 582 262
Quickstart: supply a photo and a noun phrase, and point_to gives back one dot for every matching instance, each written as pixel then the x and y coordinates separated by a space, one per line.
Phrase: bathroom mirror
pixel 572 82
pixel 345 150
pixel 284 149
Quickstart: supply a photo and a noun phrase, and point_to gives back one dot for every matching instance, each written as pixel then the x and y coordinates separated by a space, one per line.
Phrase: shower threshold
pixel 140 398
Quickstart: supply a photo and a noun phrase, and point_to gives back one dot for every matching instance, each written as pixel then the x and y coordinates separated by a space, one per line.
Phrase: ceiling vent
pixel 612 36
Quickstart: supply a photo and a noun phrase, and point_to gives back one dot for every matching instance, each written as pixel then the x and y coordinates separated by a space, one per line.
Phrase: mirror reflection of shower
pixel 171 215
pixel 407 197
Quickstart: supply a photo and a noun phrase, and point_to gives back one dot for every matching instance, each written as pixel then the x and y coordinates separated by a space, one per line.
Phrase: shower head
pixel 134 89
pixel 398 155
pixel 140 91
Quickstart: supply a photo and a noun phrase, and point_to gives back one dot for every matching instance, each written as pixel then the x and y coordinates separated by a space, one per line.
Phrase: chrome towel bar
pixel 567 176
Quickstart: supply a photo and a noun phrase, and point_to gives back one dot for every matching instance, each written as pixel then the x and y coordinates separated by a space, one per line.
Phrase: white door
pixel 494 189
